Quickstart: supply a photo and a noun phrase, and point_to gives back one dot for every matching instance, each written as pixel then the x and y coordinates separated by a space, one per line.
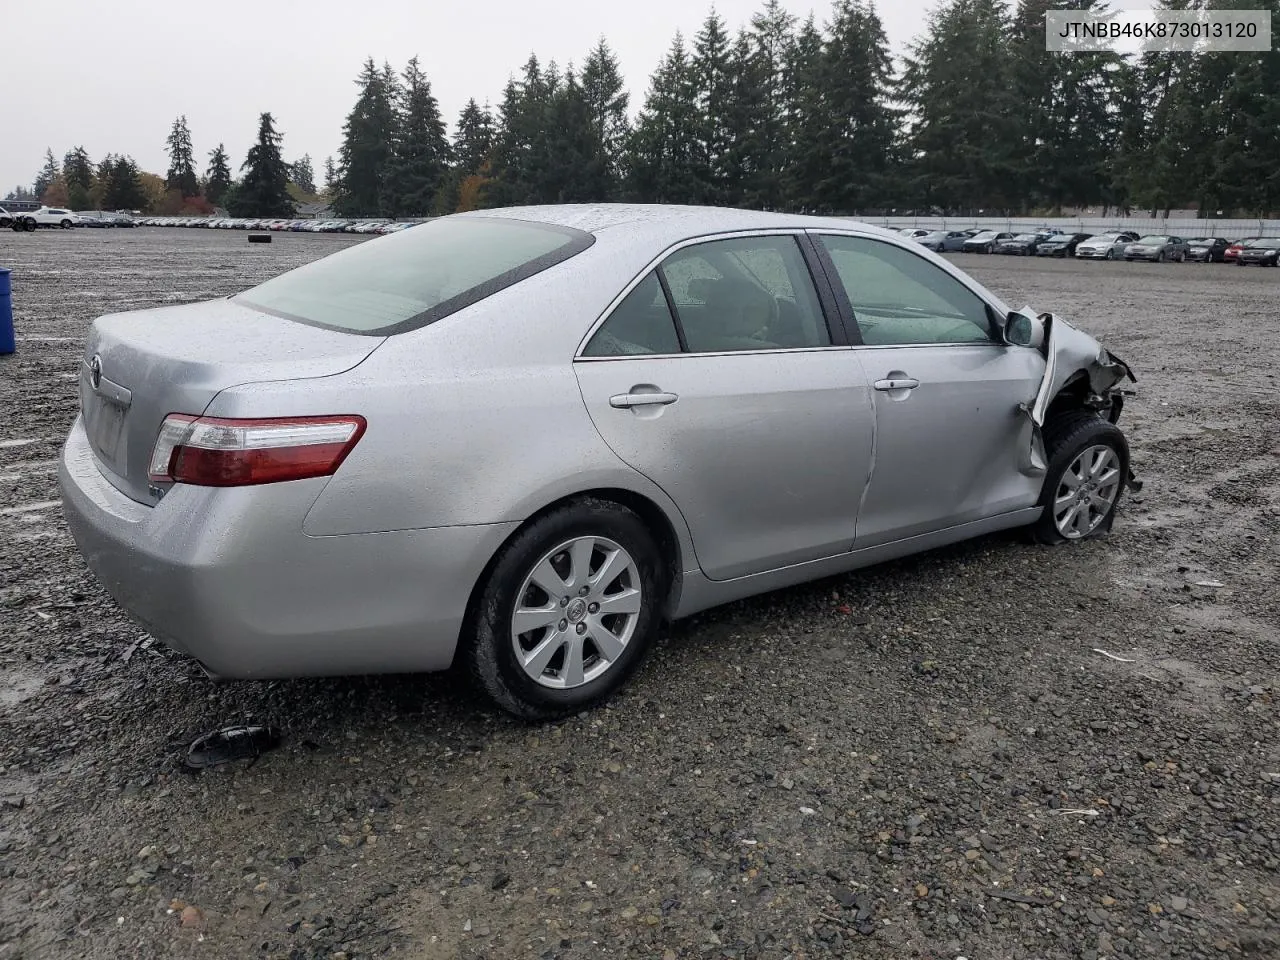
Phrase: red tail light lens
pixel 217 452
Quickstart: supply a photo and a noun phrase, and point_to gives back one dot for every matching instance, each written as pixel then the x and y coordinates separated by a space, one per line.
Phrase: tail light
pixel 216 452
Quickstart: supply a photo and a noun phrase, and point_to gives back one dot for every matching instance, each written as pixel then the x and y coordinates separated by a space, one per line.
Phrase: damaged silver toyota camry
pixel 519 440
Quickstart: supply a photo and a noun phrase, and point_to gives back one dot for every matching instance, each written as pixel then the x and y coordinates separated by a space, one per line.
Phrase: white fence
pixel 1181 227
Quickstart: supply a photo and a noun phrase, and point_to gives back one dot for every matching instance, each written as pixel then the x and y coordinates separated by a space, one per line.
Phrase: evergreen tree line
pixel 793 115
pixel 266 189
pixel 782 115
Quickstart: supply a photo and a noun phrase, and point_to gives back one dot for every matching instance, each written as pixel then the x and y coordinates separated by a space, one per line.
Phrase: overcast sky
pixel 112 76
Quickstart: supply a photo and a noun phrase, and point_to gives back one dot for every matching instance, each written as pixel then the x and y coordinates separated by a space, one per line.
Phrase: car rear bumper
pixel 227 576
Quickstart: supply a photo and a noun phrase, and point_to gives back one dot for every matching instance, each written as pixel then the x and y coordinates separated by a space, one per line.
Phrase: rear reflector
pixel 216 452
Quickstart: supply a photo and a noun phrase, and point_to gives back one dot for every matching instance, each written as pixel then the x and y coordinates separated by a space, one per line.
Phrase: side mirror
pixel 1021 330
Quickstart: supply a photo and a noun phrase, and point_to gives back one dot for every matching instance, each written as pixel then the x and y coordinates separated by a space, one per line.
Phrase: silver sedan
pixel 522 439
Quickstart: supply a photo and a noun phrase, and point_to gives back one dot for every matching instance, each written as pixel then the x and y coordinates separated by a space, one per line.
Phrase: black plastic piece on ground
pixel 231 743
pixel 259 238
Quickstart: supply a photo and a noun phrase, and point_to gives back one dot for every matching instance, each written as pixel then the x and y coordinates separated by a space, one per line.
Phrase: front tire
pixel 568 611
pixel 1088 464
pixel 66 224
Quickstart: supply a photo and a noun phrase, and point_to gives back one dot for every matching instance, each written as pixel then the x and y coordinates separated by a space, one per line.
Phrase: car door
pixel 724 377
pixel 946 392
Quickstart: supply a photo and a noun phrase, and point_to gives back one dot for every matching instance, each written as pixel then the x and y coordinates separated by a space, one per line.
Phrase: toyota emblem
pixel 95 372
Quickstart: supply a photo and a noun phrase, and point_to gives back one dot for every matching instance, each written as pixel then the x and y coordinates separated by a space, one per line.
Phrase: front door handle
pixel 898 383
pixel 625 400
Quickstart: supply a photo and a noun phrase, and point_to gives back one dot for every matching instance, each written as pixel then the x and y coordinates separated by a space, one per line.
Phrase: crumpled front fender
pixel 1067 351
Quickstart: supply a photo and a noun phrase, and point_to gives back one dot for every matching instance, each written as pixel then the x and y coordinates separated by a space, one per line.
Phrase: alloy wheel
pixel 1087 491
pixel 576 611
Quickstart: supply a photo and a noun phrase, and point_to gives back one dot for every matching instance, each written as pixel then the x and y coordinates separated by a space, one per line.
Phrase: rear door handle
pixel 900 383
pixel 624 400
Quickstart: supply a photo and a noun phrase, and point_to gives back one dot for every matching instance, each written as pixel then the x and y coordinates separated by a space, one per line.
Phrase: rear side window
pixel 640 324
pixel 745 293
pixel 414 277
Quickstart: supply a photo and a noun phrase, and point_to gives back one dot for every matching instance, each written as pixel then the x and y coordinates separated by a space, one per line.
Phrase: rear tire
pixel 1088 460
pixel 575 543
pixel 66 224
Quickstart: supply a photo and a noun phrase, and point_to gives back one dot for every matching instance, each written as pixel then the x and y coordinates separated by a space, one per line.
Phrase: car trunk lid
pixel 139 367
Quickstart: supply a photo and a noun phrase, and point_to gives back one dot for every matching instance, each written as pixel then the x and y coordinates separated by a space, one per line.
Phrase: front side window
pixel 414 277
pixel 899 298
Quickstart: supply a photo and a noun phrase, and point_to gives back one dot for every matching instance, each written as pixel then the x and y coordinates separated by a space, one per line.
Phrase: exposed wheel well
pixel 654 518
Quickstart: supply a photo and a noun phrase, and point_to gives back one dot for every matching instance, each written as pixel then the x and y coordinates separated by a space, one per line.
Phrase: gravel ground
pixel 924 760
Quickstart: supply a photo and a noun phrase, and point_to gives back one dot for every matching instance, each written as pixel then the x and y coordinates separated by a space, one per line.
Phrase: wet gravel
pixel 925 760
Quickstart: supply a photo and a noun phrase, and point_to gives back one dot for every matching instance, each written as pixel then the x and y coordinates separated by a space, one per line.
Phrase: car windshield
pixel 1154 240
pixel 1026 236
pixel 984 235
pixel 1264 242
pixel 1202 242
pixel 414 277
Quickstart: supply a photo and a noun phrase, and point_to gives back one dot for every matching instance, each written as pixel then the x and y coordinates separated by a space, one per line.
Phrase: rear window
pixel 408 279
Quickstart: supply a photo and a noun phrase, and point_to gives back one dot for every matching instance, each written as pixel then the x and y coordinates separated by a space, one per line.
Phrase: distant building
pixel 314 211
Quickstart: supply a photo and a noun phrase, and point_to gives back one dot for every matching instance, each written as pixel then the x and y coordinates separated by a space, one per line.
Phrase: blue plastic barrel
pixel 6 313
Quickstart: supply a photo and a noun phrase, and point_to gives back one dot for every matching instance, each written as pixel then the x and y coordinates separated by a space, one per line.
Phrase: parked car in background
pixel 92 218
pixel 253 477
pixel 1232 253
pixel 54 217
pixel 16 220
pixel 943 241
pixel 1207 249
pixel 1157 248
pixel 1022 244
pixel 913 233
pixel 1061 244
pixel 1260 251
pixel 985 241
pixel 1105 246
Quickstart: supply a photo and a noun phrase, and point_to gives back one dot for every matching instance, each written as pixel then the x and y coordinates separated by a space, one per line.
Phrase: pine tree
pixel 663 166
pixel 607 98
pixel 330 177
pixel 473 139
pixel 302 176
pixel 123 186
pixel 472 145
pixel 749 115
pixel 182 166
pixel 857 127
pixel 520 153
pixel 1245 118
pixel 77 171
pixel 714 85
pixel 805 118
pixel 964 134
pixel 421 157
pixel 577 167
pixel 47 175
pixel 218 175
pixel 763 93
pixel 366 146
pixel 264 190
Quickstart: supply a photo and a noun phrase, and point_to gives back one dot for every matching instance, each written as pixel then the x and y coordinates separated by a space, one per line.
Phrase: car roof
pixel 667 223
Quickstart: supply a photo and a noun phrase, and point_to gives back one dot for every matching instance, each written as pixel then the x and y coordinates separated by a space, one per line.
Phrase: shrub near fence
pixel 1230 229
